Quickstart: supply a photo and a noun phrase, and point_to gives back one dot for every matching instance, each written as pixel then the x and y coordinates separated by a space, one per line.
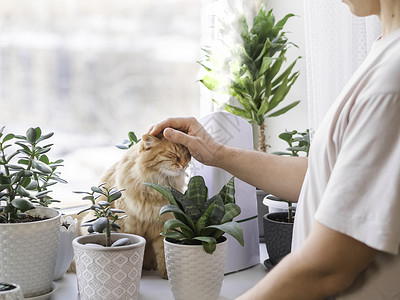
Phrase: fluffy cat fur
pixel 157 160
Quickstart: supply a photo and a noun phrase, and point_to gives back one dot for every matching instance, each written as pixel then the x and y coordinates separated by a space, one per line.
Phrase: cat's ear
pixel 149 140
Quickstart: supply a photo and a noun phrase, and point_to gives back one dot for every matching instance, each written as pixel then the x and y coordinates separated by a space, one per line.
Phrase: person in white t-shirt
pixel 347 230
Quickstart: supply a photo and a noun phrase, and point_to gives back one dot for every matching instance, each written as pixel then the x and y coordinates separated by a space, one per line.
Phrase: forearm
pixel 326 264
pixel 279 175
pixel 289 280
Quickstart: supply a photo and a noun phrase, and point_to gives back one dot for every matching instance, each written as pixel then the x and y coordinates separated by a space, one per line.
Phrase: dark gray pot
pixel 278 236
pixel 262 210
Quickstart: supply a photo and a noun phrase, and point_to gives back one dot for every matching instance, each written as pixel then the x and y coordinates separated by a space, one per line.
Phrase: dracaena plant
pixel 105 216
pixel 26 173
pixel 199 219
pixel 298 142
pixel 249 69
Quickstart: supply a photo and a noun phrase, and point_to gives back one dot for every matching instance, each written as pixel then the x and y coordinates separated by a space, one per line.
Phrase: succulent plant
pixel 105 216
pixel 297 141
pixel 126 144
pixel 248 69
pixel 199 219
pixel 26 173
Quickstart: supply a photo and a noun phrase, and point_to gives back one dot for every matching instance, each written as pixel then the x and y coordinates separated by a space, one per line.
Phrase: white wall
pixel 297 117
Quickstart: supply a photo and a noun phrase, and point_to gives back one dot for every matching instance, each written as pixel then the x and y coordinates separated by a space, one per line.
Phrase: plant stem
pixel 262 146
pixel 108 235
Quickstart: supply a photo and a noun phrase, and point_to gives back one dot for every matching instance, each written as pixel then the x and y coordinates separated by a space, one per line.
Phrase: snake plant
pixel 199 219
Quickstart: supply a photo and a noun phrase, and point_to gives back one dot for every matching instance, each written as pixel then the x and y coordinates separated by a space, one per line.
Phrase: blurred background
pixel 93 70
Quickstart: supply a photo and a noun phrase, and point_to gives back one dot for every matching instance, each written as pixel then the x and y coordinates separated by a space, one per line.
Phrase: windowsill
pixel 152 287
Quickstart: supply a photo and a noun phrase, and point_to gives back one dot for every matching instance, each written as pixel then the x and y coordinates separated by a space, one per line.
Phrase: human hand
pixel 190 133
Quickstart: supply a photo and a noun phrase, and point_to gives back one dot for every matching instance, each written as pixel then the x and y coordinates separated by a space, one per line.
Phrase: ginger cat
pixel 157 160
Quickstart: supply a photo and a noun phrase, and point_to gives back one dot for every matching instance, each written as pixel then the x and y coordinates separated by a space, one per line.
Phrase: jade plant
pixel 248 68
pixel 200 220
pixel 298 142
pixel 26 173
pixel 105 216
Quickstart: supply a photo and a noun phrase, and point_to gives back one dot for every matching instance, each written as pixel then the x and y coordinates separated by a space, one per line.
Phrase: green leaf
pixel 41 166
pixel 232 210
pixel 22 204
pixel 38 132
pixel 8 137
pixel 173 224
pixel 266 63
pixel 114 196
pixel 283 110
pixel 264 107
pixel 45 137
pixel 287 137
pixel 264 51
pixel 163 191
pixel 285 73
pixel 123 147
pixel 31 135
pixel 175 235
pixel 227 192
pixel 100 224
pixel 211 82
pixel 276 66
pixel 279 25
pixel 22 191
pixel 209 243
pixel 195 195
pixel 202 221
pixel 132 137
pixel 237 111
pixel 218 210
pixel 178 213
pixel 231 228
pixel 32 185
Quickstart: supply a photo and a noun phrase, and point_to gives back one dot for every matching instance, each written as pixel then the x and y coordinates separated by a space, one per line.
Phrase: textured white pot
pixel 194 274
pixel 14 294
pixel 28 252
pixel 106 273
pixel 65 253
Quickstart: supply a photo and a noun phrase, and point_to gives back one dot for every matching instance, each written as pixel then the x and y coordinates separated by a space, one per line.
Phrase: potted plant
pixel 26 224
pixel 195 248
pixel 108 264
pixel 10 292
pixel 278 226
pixel 248 69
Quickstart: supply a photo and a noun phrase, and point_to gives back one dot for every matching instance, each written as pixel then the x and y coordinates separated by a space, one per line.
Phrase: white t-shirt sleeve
pixel 362 198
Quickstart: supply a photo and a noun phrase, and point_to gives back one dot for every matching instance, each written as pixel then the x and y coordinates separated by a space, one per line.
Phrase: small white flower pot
pixel 194 274
pixel 65 253
pixel 28 252
pixel 108 273
pixel 15 293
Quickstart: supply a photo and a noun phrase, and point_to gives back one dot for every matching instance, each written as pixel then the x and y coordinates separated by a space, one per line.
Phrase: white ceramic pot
pixel 28 252
pixel 106 273
pixel 14 293
pixel 194 274
pixel 276 206
pixel 65 253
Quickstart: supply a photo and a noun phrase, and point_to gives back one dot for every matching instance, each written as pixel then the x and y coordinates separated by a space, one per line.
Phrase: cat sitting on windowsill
pixel 153 159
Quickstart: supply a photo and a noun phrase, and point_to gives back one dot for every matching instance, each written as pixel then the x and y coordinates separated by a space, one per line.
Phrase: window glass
pixel 92 70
